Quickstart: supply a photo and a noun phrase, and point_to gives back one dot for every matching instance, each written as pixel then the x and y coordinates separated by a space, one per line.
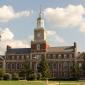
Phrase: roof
pixel 61 49
pixel 19 50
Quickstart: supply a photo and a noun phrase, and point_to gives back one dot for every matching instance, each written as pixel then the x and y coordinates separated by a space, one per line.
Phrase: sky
pixel 64 22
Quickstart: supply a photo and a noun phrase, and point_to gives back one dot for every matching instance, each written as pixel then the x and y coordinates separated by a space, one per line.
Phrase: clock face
pixel 39 34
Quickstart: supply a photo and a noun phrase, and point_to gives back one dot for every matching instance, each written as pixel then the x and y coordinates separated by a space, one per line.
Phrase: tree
pixel 26 70
pixel 32 76
pixel 1 73
pixel 7 76
pixel 43 68
pixel 75 70
pixel 83 64
pixel 15 76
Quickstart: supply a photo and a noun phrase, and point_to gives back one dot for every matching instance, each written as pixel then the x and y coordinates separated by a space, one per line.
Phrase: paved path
pixel 66 84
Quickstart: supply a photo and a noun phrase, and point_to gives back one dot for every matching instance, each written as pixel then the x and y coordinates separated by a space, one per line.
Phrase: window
pixel 71 63
pixel 18 65
pixel 9 57
pixel 62 56
pixel 51 56
pixel 15 57
pixel 65 56
pixel 24 57
pixel 33 56
pixel 54 65
pixel 59 56
pixel 54 56
pixel 70 55
pixel 13 66
pixel 8 65
pixel 38 56
pixel 38 46
pixel 20 57
pixel 27 56
pixel 65 65
pixel 12 56
pixel 48 56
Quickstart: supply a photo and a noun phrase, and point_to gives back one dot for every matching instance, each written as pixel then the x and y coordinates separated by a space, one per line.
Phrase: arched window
pixel 38 46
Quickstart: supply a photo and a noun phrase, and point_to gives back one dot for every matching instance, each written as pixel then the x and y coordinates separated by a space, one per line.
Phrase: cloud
pixel 51 32
pixel 7 13
pixel 82 27
pixel 69 17
pixel 7 38
pixel 54 37
pixel 6 34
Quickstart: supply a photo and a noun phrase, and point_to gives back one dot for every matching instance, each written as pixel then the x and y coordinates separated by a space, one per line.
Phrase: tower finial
pixel 40 14
pixel 40 19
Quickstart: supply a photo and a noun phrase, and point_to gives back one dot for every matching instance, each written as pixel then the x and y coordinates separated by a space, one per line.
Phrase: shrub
pixel 32 76
pixel 1 74
pixel 39 76
pixel 22 75
pixel 7 76
pixel 15 76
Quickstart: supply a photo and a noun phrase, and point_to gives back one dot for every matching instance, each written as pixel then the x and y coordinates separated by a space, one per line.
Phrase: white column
pixel 30 61
pixel 4 65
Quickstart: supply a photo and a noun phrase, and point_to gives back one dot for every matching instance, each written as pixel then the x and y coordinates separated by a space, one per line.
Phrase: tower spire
pixel 40 14
pixel 40 19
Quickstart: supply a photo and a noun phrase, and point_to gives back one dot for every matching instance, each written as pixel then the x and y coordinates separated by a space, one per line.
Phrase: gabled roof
pixel 19 50
pixel 61 49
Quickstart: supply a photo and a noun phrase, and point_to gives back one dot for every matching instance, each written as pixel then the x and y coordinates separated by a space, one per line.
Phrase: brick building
pixel 60 59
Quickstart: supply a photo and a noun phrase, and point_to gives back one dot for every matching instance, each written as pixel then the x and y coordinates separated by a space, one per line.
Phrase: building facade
pixel 60 59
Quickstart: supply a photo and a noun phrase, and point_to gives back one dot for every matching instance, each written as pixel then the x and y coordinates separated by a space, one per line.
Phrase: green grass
pixel 24 82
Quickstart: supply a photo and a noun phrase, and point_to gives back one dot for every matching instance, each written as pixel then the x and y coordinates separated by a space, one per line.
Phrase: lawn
pixel 24 82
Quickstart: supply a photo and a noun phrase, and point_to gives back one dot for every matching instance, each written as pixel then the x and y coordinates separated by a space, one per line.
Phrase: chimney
pixel 75 45
pixel 8 47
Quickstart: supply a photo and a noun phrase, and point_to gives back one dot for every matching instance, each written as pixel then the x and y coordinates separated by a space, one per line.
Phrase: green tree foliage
pixel 7 76
pixel 43 68
pixel 15 76
pixel 83 64
pixel 26 70
pixel 39 76
pixel 1 73
pixel 75 71
pixel 32 76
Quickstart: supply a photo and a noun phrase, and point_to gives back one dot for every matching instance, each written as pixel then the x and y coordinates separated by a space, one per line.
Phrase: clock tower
pixel 39 43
